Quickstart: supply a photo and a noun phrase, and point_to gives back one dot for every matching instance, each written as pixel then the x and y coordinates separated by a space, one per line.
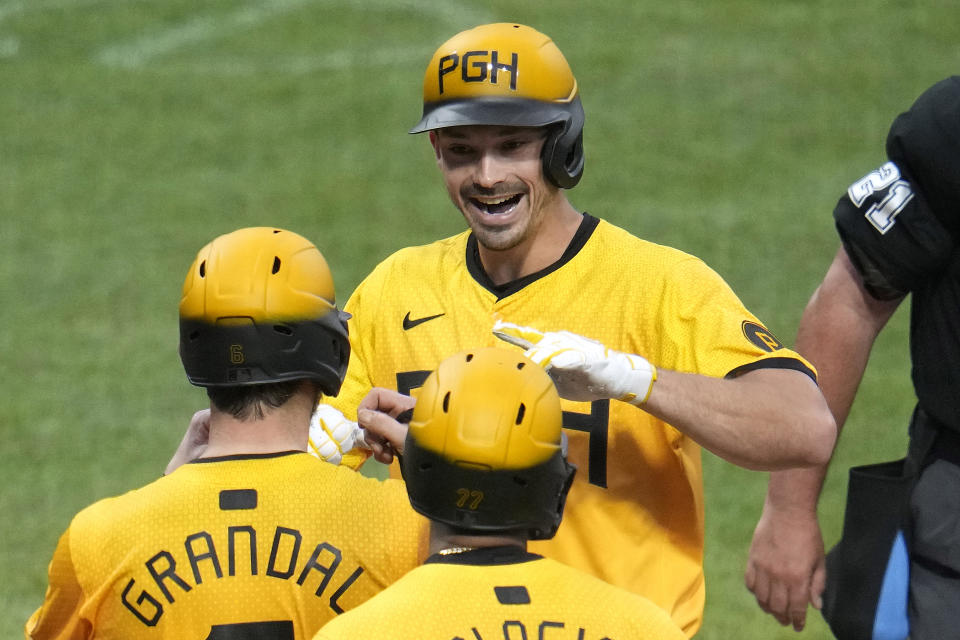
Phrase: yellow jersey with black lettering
pixel 502 592
pixel 634 516
pixel 274 544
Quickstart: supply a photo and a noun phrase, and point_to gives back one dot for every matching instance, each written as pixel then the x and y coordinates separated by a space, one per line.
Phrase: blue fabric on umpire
pixel 891 622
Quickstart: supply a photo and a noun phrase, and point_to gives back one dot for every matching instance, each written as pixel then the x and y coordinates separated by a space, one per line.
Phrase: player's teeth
pixel 497 201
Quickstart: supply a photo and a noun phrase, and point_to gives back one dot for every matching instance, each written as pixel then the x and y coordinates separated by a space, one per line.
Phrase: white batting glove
pixel 332 435
pixel 583 369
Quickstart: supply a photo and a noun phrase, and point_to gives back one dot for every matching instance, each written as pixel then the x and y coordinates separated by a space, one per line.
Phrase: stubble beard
pixel 496 238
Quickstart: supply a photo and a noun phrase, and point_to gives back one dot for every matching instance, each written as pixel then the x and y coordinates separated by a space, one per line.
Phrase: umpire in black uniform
pixel 900 232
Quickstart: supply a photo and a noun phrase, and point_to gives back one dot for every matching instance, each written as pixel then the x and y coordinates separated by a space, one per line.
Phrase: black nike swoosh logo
pixel 410 324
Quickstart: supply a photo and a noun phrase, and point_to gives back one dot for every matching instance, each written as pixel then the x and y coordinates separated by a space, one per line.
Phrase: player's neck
pixel 443 540
pixel 539 251
pixel 282 429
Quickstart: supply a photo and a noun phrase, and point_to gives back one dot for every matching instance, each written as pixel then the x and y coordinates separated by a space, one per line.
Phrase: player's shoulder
pixel 377 617
pixel 587 584
pixel 383 502
pixel 617 239
pixel 658 262
pixel 107 518
pixel 334 481
pixel 425 256
pixel 391 280
pixel 361 482
pixel 630 610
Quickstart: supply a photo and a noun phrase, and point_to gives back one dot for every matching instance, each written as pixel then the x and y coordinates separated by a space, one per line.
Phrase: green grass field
pixel 133 131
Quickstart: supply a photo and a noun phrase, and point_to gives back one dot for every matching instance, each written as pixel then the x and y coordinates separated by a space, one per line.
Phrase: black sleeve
pixel 924 142
pixel 899 223
pixel 891 234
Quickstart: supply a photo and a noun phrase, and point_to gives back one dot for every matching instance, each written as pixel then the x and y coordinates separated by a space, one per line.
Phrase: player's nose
pixel 490 170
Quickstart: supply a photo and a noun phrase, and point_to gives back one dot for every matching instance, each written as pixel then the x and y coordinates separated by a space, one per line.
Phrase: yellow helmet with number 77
pixel 485 451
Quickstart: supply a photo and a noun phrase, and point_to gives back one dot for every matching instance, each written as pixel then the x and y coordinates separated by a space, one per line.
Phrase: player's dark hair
pixel 251 402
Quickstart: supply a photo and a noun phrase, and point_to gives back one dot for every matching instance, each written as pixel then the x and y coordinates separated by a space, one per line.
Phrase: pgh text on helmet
pixel 258 306
pixel 484 451
pixel 512 75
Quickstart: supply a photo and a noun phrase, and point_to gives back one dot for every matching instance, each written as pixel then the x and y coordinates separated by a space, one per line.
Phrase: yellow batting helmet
pixel 484 449
pixel 258 306
pixel 513 75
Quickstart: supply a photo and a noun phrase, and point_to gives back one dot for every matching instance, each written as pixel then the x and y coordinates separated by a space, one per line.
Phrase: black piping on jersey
pixel 475 267
pixel 485 556
pixel 773 363
pixel 246 456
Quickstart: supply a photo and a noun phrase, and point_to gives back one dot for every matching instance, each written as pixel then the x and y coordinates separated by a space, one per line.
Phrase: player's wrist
pixel 638 380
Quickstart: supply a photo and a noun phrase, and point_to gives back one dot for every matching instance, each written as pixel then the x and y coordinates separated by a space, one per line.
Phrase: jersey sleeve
pixel 899 222
pixel 891 233
pixel 59 616
pixel 706 329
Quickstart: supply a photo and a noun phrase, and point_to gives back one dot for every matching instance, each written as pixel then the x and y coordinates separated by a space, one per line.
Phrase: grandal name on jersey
pixel 238 551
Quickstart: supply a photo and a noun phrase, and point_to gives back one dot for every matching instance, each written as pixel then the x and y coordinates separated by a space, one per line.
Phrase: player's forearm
pixel 840 358
pixel 795 491
pixel 764 419
pixel 767 419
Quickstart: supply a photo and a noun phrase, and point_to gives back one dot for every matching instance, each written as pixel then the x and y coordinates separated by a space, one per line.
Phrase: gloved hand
pixel 583 369
pixel 332 435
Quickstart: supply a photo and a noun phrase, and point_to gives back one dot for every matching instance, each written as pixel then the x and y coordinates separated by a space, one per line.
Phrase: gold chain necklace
pixel 449 551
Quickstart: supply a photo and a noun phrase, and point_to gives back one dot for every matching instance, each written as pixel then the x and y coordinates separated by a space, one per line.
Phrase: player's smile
pixel 496 205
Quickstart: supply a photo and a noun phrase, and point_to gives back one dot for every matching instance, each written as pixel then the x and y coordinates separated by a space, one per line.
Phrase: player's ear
pixel 436 144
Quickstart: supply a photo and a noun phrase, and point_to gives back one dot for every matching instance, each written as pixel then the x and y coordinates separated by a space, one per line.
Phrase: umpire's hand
pixel 786 567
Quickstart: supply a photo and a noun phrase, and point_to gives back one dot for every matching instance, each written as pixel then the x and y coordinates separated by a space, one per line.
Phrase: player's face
pixel 494 175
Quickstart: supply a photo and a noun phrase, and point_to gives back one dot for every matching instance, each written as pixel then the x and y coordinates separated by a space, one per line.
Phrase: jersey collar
pixel 475 267
pixel 245 456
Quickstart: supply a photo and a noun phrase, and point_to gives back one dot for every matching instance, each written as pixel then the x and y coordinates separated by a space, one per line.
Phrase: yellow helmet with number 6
pixel 513 75
pixel 484 450
pixel 258 306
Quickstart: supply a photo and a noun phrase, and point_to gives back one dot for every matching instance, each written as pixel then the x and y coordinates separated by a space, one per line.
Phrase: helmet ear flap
pixel 563 150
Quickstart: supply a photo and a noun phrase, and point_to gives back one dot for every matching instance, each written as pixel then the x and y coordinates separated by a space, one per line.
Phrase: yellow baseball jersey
pixel 502 592
pixel 266 546
pixel 634 516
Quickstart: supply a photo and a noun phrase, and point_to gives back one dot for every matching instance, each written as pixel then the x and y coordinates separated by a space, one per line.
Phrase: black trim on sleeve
pixel 475 267
pixel 773 363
